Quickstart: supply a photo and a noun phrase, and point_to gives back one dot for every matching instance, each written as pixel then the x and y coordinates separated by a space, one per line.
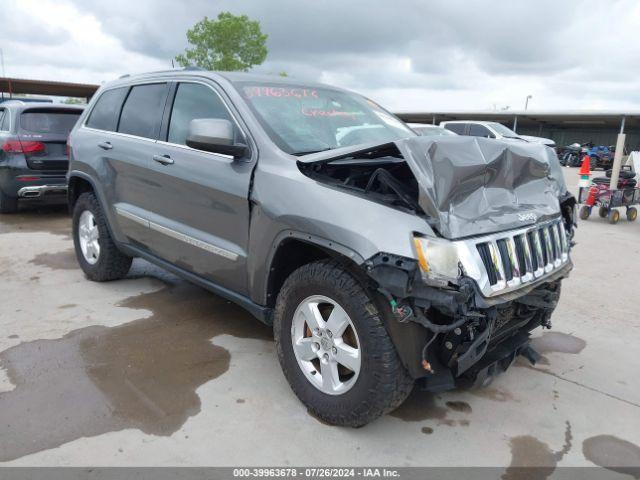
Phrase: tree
pixel 229 43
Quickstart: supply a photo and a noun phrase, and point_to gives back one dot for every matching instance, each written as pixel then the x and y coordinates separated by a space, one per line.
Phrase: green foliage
pixel 229 43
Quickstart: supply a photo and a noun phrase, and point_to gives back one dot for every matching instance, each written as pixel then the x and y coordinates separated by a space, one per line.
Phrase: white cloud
pixel 75 48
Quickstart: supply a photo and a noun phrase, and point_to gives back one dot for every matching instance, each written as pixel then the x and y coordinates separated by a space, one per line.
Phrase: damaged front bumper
pixel 475 327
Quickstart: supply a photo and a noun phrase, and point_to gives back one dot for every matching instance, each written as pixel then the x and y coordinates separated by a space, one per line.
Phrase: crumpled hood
pixel 474 186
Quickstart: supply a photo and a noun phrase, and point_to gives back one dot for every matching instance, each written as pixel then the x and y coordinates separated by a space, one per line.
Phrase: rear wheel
pixel 632 213
pixel 8 204
pixel 97 254
pixel 334 349
pixel 614 216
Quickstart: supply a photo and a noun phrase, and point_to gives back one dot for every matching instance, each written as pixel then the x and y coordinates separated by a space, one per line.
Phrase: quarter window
pixel 2 115
pixel 104 115
pixel 193 100
pixel 142 110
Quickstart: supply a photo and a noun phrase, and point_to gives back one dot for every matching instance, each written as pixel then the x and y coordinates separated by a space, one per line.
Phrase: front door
pixel 200 219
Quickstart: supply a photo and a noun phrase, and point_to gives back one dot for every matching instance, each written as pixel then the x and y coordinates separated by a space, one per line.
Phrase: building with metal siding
pixel 564 128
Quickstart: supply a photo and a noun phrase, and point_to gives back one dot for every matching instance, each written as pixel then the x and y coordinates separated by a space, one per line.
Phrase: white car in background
pixel 428 130
pixel 478 128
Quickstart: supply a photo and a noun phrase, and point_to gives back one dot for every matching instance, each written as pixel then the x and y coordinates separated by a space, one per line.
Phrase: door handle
pixel 163 159
pixel 105 145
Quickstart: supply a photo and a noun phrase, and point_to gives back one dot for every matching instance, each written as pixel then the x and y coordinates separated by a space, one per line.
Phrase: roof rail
pixel 124 76
pixel 12 102
pixel 194 67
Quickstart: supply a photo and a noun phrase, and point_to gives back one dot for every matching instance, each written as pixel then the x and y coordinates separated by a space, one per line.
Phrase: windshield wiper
pixel 309 152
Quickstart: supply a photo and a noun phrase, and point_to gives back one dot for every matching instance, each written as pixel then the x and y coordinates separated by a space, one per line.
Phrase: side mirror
pixel 214 135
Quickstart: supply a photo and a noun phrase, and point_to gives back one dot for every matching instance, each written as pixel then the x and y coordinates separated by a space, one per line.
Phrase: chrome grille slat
pixel 548 248
pixel 557 248
pixel 497 263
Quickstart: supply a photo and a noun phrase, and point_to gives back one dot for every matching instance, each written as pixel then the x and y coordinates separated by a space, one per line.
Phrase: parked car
pixel 315 209
pixel 427 130
pixel 477 128
pixel 33 155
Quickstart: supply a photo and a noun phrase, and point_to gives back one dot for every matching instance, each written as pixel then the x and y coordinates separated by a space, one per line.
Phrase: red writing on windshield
pixel 279 92
pixel 315 112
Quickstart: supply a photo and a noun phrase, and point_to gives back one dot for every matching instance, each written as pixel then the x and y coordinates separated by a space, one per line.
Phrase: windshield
pixel 303 120
pixel 502 130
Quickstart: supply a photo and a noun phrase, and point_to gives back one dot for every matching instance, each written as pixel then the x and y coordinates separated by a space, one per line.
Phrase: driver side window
pixel 194 100
pixel 479 131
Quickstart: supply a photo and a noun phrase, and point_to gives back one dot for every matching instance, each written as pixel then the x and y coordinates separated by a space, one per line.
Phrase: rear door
pixel 120 134
pixel 201 205
pixel 43 133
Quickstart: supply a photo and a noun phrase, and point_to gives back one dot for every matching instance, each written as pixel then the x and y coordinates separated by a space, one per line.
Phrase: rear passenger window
pixel 104 115
pixel 479 131
pixel 456 127
pixel 142 110
pixel 193 100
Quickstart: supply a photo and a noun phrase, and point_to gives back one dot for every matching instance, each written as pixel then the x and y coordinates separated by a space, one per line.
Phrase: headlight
pixel 438 259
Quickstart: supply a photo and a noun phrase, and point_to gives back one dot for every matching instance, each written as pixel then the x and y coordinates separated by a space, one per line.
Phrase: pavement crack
pixel 610 395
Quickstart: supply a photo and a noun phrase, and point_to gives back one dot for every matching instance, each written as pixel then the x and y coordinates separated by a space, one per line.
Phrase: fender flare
pixel 99 196
pixel 314 240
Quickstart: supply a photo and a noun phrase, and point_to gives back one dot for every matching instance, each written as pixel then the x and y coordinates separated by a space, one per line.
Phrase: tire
pixel 8 204
pixel 632 213
pixel 585 212
pixel 603 212
pixel 614 216
pixel 109 263
pixel 382 382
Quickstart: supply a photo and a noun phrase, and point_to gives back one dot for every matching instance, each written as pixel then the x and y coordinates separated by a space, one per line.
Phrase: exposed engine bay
pixel 382 174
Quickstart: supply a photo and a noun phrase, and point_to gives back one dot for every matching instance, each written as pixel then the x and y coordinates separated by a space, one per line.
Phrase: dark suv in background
pixel 33 154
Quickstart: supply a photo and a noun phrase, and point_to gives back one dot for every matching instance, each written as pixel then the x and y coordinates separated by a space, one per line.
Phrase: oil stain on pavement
pixel 64 260
pixel 558 342
pixel 421 405
pixel 613 454
pixel 532 459
pixel 143 374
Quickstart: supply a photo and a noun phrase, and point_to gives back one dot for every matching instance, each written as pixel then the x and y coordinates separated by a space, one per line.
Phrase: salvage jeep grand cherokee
pixel 379 257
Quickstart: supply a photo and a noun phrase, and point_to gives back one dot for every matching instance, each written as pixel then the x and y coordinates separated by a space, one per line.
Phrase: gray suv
pixel 33 154
pixel 379 257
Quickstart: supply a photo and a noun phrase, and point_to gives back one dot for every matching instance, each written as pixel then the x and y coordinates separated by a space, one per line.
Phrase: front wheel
pixel 632 213
pixel 97 254
pixel 585 212
pixel 334 349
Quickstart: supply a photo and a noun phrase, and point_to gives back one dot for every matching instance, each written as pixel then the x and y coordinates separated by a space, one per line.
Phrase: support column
pixel 617 159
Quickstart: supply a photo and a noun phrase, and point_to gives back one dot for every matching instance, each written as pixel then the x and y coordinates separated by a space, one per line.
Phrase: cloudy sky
pixel 409 55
